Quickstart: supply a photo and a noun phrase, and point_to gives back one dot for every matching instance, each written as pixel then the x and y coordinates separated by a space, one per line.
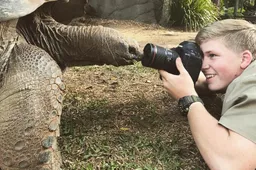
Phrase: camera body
pixel 165 59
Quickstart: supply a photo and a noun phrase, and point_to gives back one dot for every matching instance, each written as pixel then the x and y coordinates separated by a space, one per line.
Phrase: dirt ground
pixel 120 105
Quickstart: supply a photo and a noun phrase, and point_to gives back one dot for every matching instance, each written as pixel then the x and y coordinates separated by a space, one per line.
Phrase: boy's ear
pixel 246 59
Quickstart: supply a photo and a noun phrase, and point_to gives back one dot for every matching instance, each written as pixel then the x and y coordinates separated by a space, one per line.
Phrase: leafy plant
pixel 193 14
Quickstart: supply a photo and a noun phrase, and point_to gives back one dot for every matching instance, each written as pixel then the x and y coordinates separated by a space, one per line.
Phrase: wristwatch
pixel 185 102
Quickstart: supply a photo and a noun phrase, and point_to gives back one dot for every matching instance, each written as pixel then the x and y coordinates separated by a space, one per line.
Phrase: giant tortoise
pixel 34 52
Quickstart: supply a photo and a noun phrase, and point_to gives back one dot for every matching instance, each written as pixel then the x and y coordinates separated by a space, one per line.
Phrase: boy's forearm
pixel 211 138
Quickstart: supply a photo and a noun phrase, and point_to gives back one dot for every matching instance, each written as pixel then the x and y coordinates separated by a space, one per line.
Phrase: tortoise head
pixel 17 8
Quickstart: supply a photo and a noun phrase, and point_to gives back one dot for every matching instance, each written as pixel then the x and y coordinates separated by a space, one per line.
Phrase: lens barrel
pixel 159 58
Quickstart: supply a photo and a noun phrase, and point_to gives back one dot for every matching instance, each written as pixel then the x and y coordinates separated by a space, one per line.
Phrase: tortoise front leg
pixel 30 108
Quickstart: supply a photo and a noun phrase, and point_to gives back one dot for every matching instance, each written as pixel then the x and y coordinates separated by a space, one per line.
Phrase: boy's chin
pixel 218 89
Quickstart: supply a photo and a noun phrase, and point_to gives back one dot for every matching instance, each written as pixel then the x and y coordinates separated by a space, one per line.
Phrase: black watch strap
pixel 185 102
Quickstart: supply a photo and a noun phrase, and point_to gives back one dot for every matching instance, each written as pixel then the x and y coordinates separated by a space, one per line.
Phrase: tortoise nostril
pixel 132 50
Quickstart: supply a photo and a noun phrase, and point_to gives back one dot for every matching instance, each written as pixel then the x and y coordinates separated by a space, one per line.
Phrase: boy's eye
pixel 211 55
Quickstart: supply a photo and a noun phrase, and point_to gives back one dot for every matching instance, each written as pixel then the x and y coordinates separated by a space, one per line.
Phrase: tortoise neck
pixel 8 31
pixel 8 39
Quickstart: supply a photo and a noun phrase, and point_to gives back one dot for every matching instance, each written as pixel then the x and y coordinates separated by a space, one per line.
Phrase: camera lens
pixel 149 52
pixel 159 58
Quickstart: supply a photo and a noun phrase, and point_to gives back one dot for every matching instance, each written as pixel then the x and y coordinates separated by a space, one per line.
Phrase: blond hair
pixel 237 34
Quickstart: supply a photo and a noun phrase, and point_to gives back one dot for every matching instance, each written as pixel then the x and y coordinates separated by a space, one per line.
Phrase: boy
pixel 229 48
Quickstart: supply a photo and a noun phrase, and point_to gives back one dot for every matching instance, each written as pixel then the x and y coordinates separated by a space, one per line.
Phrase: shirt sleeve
pixel 239 107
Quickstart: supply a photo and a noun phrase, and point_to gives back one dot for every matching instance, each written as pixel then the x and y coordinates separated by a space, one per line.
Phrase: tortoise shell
pixel 13 9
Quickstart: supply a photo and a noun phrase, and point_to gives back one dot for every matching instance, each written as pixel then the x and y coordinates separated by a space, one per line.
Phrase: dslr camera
pixel 165 59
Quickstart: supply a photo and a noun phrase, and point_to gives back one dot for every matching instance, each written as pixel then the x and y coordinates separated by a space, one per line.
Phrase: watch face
pixel 185 102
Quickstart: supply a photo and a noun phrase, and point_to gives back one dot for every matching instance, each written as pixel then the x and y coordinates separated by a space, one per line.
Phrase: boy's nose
pixel 205 64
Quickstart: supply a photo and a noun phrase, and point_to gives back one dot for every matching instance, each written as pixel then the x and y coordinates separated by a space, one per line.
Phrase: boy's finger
pixel 180 66
pixel 163 74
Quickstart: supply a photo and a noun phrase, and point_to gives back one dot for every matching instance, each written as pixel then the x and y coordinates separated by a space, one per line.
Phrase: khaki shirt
pixel 239 105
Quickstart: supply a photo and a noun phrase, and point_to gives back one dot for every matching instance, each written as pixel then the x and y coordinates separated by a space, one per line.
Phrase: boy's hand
pixel 178 85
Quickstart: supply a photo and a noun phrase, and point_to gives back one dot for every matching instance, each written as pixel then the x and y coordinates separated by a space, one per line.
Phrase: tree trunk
pixel 166 12
pixel 226 8
pixel 216 2
pixel 236 7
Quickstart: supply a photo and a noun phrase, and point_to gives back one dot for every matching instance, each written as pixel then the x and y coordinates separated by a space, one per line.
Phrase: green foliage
pixel 229 12
pixel 230 3
pixel 193 14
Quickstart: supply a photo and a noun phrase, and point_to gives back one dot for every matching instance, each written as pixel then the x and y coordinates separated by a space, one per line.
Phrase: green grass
pixel 122 118
pixel 122 150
